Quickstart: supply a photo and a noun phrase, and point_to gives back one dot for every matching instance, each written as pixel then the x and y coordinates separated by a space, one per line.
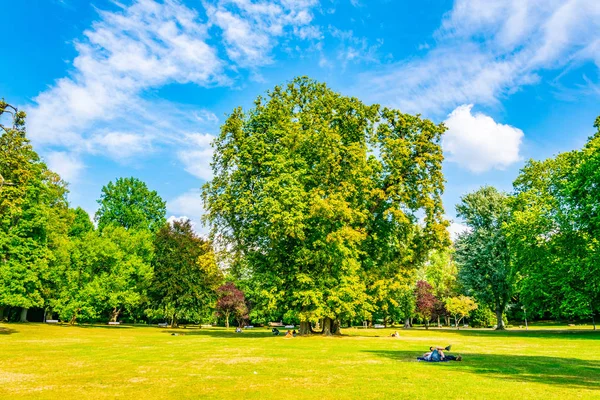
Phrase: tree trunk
pixel 174 321
pixel 593 320
pixel 1 313
pixel 24 314
pixel 115 314
pixel 407 323
pixel 426 324
pixel 335 327
pixel 499 321
pixel 327 326
pixel 457 322
pixel 439 324
pixel 48 314
pixel 227 320
pixel 304 328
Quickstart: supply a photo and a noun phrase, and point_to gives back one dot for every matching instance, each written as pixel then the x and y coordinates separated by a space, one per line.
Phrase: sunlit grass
pixel 65 362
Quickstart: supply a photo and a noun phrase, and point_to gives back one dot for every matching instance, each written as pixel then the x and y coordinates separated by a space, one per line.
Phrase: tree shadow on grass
pixel 566 372
pixel 222 333
pixel 542 334
pixel 7 331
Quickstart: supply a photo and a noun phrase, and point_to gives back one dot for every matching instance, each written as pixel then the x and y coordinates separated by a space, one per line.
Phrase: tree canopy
pixel 319 193
pixel 129 203
pixel 185 274
pixel 485 268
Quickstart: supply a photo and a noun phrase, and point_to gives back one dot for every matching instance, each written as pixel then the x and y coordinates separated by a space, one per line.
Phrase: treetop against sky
pixel 140 88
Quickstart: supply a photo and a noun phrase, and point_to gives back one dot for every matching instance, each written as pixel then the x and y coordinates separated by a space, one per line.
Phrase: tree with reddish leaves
pixel 231 302
pixel 425 301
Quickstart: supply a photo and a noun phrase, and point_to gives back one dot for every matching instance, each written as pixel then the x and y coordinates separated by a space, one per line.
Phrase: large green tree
pixel 33 219
pixel 186 275
pixel 554 232
pixel 129 203
pixel 321 195
pixel 485 269
pixel 109 273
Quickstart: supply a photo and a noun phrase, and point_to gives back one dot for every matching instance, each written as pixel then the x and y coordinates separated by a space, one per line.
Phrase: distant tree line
pixel 324 212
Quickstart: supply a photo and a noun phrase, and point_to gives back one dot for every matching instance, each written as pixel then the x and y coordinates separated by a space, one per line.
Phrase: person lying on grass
pixel 396 334
pixel 436 354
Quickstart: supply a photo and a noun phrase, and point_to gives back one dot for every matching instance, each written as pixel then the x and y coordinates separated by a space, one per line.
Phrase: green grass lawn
pixel 79 362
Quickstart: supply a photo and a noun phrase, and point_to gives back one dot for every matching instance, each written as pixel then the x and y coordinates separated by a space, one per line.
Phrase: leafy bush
pixel 483 317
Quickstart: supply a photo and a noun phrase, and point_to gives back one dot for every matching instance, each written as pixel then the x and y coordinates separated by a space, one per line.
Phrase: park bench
pixel 378 326
pixel 52 321
pixel 275 324
pixel 163 324
pixel 289 326
pixel 114 323
pixel 248 326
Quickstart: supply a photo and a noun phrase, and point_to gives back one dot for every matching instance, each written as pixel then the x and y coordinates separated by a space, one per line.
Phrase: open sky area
pixel 139 88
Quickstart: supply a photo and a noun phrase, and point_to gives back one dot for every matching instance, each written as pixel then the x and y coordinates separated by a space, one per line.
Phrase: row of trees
pixel 323 211
pixel 134 263
pixel 540 245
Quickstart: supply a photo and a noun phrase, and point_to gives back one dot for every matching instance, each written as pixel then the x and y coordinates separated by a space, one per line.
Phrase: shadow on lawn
pixel 567 372
pixel 247 334
pixel 547 334
pixel 7 331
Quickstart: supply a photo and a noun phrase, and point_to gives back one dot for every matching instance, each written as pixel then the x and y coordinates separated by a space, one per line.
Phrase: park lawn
pixel 79 362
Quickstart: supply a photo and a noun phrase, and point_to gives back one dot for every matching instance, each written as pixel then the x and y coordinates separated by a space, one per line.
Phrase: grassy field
pixel 80 362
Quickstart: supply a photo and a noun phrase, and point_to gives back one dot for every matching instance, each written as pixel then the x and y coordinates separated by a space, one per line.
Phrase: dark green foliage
pixel 482 254
pixel 81 223
pixel 186 275
pixel 554 232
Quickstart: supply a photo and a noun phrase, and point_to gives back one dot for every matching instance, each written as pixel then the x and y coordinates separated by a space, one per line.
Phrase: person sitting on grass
pixel 238 330
pixel 396 334
pixel 275 331
pixel 288 334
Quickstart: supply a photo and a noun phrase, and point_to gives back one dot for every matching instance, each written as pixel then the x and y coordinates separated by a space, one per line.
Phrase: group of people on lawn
pixel 435 354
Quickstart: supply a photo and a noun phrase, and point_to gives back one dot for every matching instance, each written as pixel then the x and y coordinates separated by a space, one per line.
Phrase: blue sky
pixel 138 88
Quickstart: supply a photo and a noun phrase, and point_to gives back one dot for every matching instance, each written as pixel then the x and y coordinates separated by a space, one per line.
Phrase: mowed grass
pixel 79 362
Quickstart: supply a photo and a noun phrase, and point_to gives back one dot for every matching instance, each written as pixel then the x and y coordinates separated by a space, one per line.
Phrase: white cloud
pixel 456 229
pixel 189 206
pixel 487 49
pixel 196 155
pixel 251 29
pixel 67 165
pixel 352 48
pixel 119 145
pixel 146 45
pixel 478 143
